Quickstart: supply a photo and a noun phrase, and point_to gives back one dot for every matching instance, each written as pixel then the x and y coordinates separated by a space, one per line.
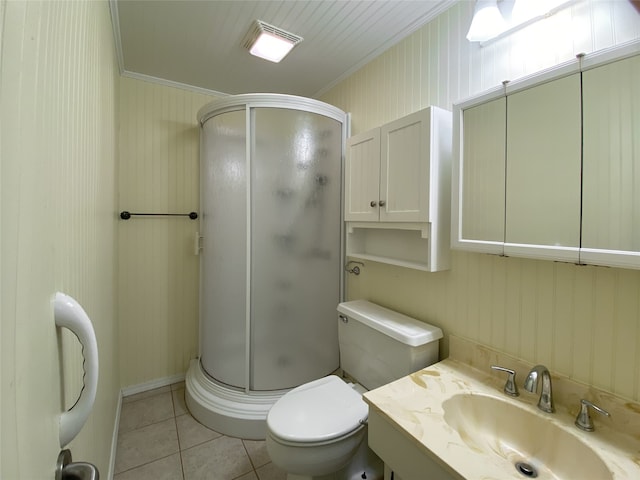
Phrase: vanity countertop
pixel 414 406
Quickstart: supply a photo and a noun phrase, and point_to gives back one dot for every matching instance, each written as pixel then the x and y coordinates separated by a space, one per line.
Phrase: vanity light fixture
pixel 523 11
pixel 487 21
pixel 269 42
pixel 493 19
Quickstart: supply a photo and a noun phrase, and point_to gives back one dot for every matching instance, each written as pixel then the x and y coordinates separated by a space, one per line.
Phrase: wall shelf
pixel 400 244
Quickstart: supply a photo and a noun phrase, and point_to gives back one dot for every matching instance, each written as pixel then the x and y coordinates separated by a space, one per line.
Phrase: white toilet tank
pixel 378 345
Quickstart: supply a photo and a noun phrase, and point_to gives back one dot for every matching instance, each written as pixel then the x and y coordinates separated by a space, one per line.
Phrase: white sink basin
pixel 514 434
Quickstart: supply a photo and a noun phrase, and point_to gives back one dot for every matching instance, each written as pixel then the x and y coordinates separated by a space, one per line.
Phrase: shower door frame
pixel 248 102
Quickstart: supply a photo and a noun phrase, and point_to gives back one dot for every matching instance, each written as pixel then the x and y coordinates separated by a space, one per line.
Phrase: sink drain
pixel 526 469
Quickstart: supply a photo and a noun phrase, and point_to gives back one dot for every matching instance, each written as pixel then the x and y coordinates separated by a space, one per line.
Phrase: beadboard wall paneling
pixel 580 321
pixel 58 227
pixel 158 271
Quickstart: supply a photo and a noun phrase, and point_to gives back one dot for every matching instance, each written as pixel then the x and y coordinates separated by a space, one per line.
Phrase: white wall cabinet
pixel 549 167
pixel 362 177
pixel 388 169
pixel 397 191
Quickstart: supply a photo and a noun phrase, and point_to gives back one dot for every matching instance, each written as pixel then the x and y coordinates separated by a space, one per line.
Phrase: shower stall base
pixel 227 410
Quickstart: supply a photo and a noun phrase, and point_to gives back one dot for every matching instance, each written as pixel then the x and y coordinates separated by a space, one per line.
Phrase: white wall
pixel 158 279
pixel 580 321
pixel 58 226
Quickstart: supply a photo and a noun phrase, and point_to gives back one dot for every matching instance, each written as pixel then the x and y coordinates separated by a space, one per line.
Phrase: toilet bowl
pixel 316 429
pixel 319 430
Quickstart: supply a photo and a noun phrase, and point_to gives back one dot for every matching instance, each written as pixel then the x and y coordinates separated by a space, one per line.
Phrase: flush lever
pixel 510 387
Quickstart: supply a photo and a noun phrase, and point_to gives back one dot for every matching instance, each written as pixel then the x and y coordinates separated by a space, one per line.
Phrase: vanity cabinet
pixel 397 191
pixel 548 167
pixel 402 454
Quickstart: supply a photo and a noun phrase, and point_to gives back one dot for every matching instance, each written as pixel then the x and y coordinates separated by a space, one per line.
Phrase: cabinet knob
pixel 373 203
pixel 382 203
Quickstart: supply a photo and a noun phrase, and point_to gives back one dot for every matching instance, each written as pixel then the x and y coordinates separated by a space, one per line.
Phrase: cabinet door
pixel 611 164
pixel 404 168
pixel 543 171
pixel 481 178
pixel 362 177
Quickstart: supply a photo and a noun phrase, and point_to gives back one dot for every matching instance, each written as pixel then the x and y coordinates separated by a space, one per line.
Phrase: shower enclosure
pixel 271 276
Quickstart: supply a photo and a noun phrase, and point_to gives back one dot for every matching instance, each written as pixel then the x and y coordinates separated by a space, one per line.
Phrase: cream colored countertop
pixel 414 405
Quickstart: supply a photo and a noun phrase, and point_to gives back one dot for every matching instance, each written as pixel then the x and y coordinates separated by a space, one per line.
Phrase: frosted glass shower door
pixel 295 246
pixel 224 245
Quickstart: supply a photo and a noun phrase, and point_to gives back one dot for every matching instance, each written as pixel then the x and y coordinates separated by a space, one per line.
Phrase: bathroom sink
pixel 530 443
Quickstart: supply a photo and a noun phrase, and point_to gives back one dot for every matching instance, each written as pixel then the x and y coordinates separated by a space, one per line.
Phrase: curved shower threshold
pixel 226 410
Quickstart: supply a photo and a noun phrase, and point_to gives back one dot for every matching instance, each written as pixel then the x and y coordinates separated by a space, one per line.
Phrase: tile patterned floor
pixel 158 439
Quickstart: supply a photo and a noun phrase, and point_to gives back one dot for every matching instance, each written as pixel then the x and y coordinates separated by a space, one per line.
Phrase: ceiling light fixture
pixel 269 42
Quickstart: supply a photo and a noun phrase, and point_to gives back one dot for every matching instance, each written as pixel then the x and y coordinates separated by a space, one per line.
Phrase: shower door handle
pixel 197 244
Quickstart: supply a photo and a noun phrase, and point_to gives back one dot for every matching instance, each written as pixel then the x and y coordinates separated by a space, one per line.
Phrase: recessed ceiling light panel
pixel 269 42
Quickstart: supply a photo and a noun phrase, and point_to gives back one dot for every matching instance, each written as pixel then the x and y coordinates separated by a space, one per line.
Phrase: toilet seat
pixel 317 411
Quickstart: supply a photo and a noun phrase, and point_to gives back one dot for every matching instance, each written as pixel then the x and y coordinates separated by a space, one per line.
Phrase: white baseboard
pixel 114 439
pixel 132 390
pixel 160 382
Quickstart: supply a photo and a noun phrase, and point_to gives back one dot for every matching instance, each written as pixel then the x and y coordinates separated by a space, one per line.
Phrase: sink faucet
pixel 531 385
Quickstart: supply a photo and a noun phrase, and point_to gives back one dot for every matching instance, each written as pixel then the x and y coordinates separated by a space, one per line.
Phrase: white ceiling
pixel 199 43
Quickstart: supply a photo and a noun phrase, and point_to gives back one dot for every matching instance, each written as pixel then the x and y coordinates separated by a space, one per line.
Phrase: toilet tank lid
pixel 405 329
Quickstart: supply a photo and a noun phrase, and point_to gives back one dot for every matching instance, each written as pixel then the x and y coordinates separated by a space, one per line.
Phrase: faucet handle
pixel 510 387
pixel 583 420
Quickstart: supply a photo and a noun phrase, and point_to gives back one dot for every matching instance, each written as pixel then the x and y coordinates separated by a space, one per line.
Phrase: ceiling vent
pixel 269 42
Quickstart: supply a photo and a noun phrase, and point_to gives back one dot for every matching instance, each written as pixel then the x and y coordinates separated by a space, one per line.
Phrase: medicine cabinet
pixel 548 166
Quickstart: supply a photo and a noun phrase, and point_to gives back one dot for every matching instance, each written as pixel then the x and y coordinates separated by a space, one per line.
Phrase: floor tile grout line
pixel 203 442
pixel 147 394
pixel 145 426
pixel 126 399
pixel 174 404
pixel 211 440
pixel 181 387
pixel 244 445
pixel 155 423
pixel 175 422
pixel 144 464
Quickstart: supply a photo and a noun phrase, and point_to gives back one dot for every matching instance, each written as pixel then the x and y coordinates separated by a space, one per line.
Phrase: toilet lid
pixel 317 411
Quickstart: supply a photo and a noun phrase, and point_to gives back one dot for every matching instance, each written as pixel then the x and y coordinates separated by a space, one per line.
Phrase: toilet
pixel 319 430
